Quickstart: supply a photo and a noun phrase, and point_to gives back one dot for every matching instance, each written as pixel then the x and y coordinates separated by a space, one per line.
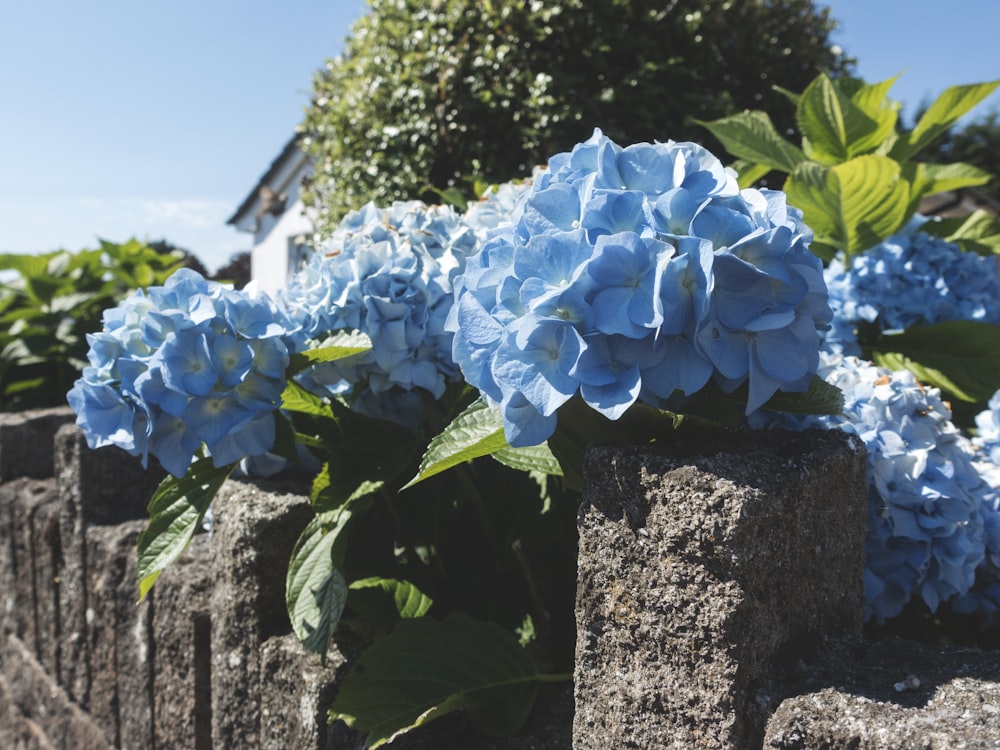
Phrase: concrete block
pixel 117 633
pixel 25 440
pixel 44 705
pixel 296 691
pixel 703 562
pixel 254 528
pixel 96 487
pixel 182 655
pixel 891 695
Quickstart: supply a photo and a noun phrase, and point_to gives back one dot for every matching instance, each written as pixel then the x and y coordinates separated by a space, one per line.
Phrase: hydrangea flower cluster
pixel 184 364
pixel 985 596
pixel 386 273
pixel 632 274
pixel 932 516
pixel 912 278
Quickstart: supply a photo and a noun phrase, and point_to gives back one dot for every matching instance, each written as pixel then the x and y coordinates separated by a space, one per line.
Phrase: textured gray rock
pixel 182 658
pixel 254 529
pixel 44 715
pixel 891 695
pixel 25 438
pixel 703 563
pixel 296 692
pixel 96 487
pixel 117 633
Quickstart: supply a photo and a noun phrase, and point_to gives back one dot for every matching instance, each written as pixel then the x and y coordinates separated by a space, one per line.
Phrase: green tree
pixel 429 94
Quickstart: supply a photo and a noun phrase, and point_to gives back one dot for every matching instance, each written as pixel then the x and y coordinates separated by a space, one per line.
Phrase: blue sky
pixel 154 120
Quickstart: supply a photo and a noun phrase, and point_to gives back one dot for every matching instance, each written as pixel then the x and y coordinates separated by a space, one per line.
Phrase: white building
pixel 274 214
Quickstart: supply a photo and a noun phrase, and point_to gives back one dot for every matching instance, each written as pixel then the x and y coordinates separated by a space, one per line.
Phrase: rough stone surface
pixel 254 529
pixel 96 487
pixel 22 434
pixel 117 636
pixel 40 703
pixel 182 634
pixel 891 695
pixel 296 692
pixel 702 563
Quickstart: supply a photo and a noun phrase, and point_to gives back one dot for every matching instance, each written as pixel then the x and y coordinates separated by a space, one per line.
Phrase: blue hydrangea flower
pixel 912 278
pixel 636 274
pixel 931 515
pixel 387 273
pixel 182 365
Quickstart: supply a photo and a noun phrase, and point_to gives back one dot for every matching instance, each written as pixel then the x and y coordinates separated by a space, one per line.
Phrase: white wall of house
pixel 278 249
pixel 274 214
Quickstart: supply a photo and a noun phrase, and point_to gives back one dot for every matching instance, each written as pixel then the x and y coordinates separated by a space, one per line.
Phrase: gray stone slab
pixel 254 528
pixel 702 563
pixel 26 440
pixel 296 692
pixel 96 487
pixel 182 655
pixel 44 704
pixel 46 571
pixel 891 695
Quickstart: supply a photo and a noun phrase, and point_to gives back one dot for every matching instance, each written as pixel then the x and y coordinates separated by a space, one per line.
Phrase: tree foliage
pixel 430 94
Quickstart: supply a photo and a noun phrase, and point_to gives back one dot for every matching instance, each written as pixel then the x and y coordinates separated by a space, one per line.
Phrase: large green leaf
pixel 385 601
pixel 752 136
pixel 477 431
pixel 298 399
pixel 822 117
pixel 946 110
pixel 851 206
pixel 960 357
pixel 930 179
pixel 978 232
pixel 315 590
pixel 532 458
pixel 339 346
pixel 426 668
pixel 820 398
pixel 175 514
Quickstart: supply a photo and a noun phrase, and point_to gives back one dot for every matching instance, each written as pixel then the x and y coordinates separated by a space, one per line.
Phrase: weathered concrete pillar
pixel 182 630
pixel 296 693
pixel 254 528
pixel 26 441
pixel 96 487
pixel 702 563
pixel 118 638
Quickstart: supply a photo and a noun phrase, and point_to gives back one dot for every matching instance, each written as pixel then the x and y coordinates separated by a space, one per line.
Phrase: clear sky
pixel 155 119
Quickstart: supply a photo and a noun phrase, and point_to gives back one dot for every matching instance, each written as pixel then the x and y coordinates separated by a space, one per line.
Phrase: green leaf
pixel 175 514
pixel 315 591
pixel 532 458
pixel 821 118
pixel 477 431
pixel 339 346
pixel 425 669
pixel 752 136
pixel 946 110
pixel 749 173
pixel 852 206
pixel 820 398
pixel 961 357
pixel 298 399
pixel 930 179
pixel 978 232
pixel 385 601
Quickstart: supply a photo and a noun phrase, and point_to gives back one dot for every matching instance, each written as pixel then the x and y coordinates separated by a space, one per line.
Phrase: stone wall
pixel 718 606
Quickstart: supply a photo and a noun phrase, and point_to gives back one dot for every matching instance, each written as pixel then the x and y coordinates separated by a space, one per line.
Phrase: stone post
pixel 703 563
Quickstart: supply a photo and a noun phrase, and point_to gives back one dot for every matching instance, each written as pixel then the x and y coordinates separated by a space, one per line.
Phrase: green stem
pixel 536 596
